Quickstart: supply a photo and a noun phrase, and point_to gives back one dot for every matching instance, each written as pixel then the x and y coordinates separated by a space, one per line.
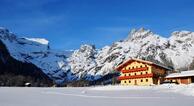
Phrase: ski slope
pixel 164 95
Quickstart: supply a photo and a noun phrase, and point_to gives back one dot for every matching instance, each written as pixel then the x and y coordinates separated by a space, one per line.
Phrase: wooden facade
pixel 184 77
pixel 140 72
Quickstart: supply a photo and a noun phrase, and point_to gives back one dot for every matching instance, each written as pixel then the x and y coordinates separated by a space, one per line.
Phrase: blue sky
pixel 69 23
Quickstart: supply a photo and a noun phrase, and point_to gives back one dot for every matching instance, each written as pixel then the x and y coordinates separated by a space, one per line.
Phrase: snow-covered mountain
pixel 37 52
pixel 176 52
pixel 90 63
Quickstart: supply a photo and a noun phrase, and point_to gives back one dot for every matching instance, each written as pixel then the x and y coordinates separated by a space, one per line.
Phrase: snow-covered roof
pixel 181 74
pixel 143 61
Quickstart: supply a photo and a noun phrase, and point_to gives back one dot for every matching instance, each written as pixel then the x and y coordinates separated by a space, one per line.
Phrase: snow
pixel 180 89
pixel 181 74
pixel 91 63
pixel 99 62
pixel 39 40
pixel 168 95
pixel 82 61
pixel 120 88
pixel 181 48
pixel 37 52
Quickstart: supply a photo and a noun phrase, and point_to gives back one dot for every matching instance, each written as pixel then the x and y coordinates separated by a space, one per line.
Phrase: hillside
pixel 17 73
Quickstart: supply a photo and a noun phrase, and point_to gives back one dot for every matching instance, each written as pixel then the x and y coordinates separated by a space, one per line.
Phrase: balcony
pixel 135 70
pixel 135 76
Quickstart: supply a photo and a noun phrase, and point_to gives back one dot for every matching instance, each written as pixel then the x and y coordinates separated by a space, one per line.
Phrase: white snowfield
pixel 39 40
pixel 163 95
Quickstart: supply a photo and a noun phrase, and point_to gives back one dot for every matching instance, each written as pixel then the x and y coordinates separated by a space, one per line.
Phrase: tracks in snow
pixel 103 97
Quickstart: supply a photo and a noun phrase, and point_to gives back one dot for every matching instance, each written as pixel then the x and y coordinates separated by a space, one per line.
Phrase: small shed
pixel 183 77
pixel 28 84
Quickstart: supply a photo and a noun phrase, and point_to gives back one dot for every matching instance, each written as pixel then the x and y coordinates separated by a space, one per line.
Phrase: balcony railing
pixel 135 70
pixel 135 76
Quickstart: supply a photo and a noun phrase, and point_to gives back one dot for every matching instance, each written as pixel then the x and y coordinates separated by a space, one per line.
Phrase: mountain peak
pixel 142 29
pixel 140 33
pixel 182 36
pixel 182 33
pixel 5 34
pixel 3 31
pixel 87 47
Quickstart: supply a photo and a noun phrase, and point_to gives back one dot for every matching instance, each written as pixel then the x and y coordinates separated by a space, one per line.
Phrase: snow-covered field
pixel 163 95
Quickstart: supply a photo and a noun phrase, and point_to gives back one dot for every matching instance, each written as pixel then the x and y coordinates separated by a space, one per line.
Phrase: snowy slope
pixel 181 50
pixel 38 52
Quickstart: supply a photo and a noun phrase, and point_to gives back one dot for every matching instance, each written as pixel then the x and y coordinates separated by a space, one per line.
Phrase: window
pixel 132 67
pixel 129 81
pixel 135 74
pixel 141 80
pixel 141 73
pixel 141 66
pixel 146 80
pixel 146 72
pixel 125 81
pixel 129 74
pixel 135 81
pixel 124 74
